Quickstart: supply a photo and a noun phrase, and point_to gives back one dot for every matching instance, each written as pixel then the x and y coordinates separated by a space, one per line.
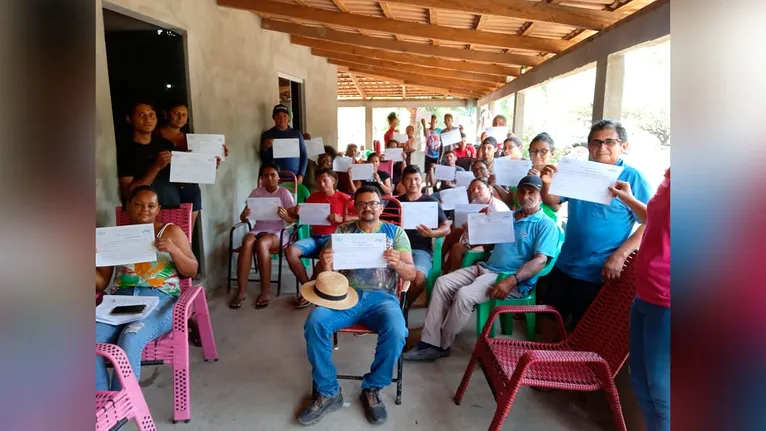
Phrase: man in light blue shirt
pixel 598 236
pixel 456 294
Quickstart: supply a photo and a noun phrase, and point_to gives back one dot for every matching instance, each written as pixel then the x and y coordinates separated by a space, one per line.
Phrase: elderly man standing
pixel 377 308
pixel 598 236
pixel 456 294
pixel 282 130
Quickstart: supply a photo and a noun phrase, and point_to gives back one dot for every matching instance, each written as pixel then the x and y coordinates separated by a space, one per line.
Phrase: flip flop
pixel 236 302
pixel 259 304
pixel 300 302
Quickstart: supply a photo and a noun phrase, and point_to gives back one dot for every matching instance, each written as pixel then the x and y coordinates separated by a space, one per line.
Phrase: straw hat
pixel 330 290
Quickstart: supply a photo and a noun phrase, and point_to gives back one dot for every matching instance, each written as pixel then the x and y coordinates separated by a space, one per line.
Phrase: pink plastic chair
pixel 116 408
pixel 173 348
pixel 387 166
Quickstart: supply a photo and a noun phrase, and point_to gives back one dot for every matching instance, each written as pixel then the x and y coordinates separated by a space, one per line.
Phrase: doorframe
pixel 302 82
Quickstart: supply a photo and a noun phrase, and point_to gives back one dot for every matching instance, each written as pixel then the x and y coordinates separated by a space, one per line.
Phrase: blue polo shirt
pixel 296 165
pixel 534 234
pixel 594 231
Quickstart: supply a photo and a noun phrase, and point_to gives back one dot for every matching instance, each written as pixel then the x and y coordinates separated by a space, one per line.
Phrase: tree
pixel 653 121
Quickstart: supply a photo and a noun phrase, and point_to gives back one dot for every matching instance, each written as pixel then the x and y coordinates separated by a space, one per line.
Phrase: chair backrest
pixel 465 162
pixel 387 166
pixel 303 194
pixel 289 181
pixel 604 329
pixel 392 212
pixel 344 183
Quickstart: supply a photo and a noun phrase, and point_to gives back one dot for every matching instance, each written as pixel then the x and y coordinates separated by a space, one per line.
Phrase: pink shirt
pixel 273 226
pixel 653 259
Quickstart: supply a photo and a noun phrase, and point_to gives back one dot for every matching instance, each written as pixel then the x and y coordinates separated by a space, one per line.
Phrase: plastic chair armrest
pixel 182 307
pixel 114 354
pixel 503 309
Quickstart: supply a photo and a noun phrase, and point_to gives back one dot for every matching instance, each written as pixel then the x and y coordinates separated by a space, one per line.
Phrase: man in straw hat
pixel 371 300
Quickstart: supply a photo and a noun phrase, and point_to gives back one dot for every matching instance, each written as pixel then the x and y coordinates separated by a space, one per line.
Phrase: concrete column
pixel 518 114
pixel 607 97
pixel 368 127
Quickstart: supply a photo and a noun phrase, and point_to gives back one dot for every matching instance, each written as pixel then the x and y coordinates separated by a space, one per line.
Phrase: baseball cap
pixel 489 140
pixel 280 108
pixel 532 181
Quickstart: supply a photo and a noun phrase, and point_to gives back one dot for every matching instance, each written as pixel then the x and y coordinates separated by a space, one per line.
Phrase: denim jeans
pixel 378 310
pixel 650 362
pixel 133 337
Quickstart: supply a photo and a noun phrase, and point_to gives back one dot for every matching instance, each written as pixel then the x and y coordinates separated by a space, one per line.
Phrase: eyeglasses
pixel 610 142
pixel 371 205
pixel 540 152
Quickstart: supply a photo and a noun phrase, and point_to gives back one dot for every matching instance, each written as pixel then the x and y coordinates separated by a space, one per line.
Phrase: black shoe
pixel 320 407
pixel 374 408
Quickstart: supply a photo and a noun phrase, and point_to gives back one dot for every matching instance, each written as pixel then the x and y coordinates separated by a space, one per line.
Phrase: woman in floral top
pixel 159 278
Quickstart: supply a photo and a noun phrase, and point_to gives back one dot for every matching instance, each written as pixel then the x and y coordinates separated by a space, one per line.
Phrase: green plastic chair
pixel 546 209
pixel 506 320
pixel 303 230
pixel 436 268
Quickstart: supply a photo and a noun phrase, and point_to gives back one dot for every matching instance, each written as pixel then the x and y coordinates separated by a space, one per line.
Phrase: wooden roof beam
pixel 387 12
pixel 488 71
pixel 422 86
pixel 401 47
pixel 414 29
pixel 356 85
pixel 414 67
pixel 523 9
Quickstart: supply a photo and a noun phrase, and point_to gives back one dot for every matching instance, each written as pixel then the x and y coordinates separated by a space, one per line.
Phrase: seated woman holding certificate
pixel 457 242
pixel 263 237
pixel 381 180
pixel 159 278
pixel 326 193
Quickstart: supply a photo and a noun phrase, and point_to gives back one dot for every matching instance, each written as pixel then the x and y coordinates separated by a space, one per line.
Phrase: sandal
pixel 300 302
pixel 261 303
pixel 236 302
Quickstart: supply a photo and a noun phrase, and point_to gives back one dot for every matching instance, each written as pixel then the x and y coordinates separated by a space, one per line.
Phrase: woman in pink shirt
pixel 650 316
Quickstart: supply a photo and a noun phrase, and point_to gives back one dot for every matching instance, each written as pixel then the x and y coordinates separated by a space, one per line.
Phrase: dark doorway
pixel 291 94
pixel 146 62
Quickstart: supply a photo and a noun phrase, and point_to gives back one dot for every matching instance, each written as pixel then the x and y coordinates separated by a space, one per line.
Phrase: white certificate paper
pixel 451 137
pixel 500 133
pixel 314 147
pixel 206 144
pixel 452 197
pixel 417 213
pixel 286 148
pixel 401 138
pixel 464 178
pixel 342 164
pixel 584 180
pixel 394 154
pixel 123 245
pixel 358 250
pixel 509 172
pixel 264 209
pixel 194 168
pixel 362 171
pixel 493 228
pixel 445 173
pixel 462 211
pixel 315 214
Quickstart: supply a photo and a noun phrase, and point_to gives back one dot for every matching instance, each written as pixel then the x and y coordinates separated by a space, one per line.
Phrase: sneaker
pixel 425 352
pixel 374 409
pixel 320 406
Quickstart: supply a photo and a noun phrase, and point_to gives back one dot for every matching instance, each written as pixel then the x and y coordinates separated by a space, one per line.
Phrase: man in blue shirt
pixel 598 236
pixel 282 130
pixel 456 294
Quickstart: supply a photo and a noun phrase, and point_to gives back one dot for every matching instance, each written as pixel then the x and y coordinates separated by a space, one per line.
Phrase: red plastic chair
pixel 116 408
pixel 387 166
pixel 587 360
pixel 173 348
pixel 392 212
pixel 401 291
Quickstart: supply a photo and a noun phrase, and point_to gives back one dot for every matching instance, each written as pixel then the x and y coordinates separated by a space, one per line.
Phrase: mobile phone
pixel 127 309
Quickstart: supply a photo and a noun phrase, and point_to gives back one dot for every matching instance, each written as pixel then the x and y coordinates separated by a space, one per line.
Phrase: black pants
pixel 568 295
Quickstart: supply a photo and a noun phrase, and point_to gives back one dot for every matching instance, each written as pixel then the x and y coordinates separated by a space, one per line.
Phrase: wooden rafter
pixel 433 19
pixel 414 83
pixel 387 12
pixel 463 66
pixel 456 76
pixel 405 47
pixel 477 87
pixel 356 85
pixel 404 78
pixel 404 91
pixel 523 9
pixel 399 27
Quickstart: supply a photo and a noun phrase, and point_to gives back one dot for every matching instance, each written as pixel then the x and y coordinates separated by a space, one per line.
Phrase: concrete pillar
pixel 518 115
pixel 610 78
pixel 368 127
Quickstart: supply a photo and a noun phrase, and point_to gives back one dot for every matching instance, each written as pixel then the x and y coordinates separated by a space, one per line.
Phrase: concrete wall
pixel 233 67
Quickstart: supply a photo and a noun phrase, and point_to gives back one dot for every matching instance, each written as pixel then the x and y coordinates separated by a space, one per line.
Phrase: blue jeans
pixel 133 337
pixel 650 362
pixel 378 310
pixel 423 261
pixel 311 246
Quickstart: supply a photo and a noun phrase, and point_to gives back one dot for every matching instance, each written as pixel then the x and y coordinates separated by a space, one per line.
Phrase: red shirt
pixel 389 135
pixel 653 259
pixel 468 151
pixel 337 206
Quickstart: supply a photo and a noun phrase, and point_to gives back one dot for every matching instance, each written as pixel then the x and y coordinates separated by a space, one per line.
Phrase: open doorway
pixel 146 61
pixel 291 95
